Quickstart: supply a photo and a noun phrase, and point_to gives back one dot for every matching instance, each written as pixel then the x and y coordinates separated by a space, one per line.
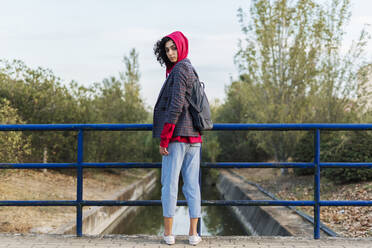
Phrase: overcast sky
pixel 85 40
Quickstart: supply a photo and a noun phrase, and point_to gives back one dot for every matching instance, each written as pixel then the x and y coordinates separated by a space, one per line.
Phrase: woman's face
pixel 171 50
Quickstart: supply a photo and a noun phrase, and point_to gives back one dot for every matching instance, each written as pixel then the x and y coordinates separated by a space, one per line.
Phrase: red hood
pixel 182 45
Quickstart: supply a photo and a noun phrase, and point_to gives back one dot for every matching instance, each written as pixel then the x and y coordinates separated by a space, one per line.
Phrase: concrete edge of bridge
pixel 155 237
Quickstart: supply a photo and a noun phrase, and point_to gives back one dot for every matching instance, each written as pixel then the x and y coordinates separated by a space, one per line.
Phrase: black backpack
pixel 199 106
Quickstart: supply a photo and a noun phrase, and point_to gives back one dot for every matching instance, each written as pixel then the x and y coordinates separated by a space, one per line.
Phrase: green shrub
pixel 14 145
pixel 304 151
pixel 337 146
pixel 355 148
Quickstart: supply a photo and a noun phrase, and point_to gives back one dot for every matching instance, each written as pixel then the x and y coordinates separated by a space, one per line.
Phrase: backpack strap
pixel 188 97
pixel 195 72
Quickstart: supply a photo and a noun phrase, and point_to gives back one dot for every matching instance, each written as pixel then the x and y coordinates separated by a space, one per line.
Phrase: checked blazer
pixel 171 105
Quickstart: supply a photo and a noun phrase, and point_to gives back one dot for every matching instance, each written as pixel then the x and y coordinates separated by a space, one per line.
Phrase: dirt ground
pixel 346 221
pixel 48 184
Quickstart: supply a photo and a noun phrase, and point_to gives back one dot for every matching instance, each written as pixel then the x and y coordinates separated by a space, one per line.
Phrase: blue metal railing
pixel 80 164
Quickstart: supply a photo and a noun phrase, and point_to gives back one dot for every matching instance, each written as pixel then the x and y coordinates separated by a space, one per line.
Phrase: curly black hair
pixel 160 53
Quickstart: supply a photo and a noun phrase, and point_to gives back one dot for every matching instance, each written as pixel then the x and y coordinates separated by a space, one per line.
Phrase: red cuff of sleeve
pixel 166 134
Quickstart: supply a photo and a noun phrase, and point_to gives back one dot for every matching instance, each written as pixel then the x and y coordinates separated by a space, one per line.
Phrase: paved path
pixel 111 241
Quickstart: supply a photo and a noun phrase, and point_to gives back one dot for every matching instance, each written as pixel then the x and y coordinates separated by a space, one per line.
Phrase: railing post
pixel 200 185
pixel 317 183
pixel 79 192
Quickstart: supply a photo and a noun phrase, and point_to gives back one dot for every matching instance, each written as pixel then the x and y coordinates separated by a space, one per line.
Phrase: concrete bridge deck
pixel 113 241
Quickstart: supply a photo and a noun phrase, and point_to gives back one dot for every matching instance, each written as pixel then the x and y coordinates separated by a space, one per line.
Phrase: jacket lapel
pixel 162 90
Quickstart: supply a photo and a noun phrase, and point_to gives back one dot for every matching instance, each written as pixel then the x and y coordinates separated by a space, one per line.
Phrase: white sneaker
pixel 195 239
pixel 170 240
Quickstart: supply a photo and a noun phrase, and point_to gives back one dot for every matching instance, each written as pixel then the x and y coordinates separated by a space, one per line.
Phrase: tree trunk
pixel 45 158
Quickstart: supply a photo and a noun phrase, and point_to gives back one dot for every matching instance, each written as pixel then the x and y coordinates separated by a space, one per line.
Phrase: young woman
pixel 179 141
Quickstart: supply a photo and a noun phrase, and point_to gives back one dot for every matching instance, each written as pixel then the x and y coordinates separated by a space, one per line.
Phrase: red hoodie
pixel 182 45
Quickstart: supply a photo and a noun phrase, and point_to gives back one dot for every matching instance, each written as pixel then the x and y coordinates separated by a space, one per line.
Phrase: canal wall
pixel 259 220
pixel 98 220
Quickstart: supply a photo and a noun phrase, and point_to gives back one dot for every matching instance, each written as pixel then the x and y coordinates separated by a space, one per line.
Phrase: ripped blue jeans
pixel 184 158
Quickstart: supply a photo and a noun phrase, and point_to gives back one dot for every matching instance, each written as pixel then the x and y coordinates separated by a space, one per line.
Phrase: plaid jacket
pixel 172 106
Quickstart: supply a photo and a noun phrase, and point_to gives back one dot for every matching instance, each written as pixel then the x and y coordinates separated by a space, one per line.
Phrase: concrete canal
pixel 216 220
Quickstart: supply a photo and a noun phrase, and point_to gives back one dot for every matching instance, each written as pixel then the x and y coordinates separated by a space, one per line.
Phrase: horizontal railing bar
pixel 122 165
pixel 222 165
pixel 37 165
pixel 256 165
pixel 203 203
pixel 256 203
pixel 76 127
pixel 345 203
pixel 225 126
pixel 291 126
pixel 129 203
pixel 346 165
pixel 38 203
pixel 130 165
pixel 184 203
pixel 157 203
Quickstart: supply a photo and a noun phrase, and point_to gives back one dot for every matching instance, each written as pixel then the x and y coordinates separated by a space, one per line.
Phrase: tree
pixel 40 97
pixel 118 100
pixel 134 104
pixel 292 62
pixel 239 107
pixel 364 101
pixel 211 146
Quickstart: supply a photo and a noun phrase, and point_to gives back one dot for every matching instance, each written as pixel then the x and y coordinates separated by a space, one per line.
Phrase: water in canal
pixel 216 220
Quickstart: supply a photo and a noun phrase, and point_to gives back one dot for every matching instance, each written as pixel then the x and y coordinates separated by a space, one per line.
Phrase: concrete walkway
pixel 111 241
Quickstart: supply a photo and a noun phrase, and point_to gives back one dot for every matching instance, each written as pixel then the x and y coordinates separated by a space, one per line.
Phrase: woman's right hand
pixel 163 151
